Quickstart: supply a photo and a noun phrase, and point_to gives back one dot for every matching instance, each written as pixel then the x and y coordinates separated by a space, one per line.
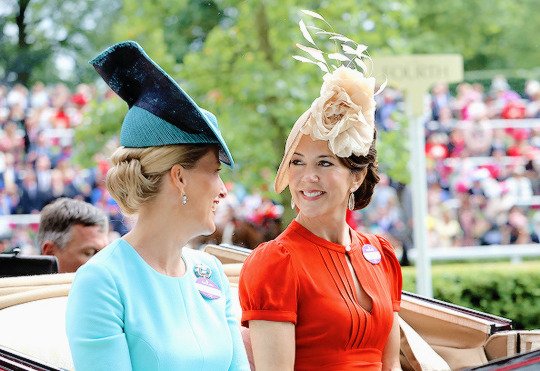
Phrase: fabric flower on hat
pixel 343 114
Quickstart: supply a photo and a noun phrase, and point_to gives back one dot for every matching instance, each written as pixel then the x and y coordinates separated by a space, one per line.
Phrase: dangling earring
pixel 350 204
pixel 184 199
pixel 293 206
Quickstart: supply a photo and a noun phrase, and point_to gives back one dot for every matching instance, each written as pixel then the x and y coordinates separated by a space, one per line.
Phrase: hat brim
pixel 282 177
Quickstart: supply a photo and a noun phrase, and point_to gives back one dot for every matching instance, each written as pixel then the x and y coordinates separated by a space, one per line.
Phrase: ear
pixel 358 178
pixel 178 176
pixel 48 248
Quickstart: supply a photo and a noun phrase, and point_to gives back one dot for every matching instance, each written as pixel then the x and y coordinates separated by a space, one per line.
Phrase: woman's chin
pixel 210 228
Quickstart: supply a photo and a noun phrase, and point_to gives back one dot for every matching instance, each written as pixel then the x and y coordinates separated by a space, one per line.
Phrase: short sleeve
pixel 393 271
pixel 268 285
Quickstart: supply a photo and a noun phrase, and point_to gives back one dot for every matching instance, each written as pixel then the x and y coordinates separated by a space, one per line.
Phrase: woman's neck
pixel 335 230
pixel 159 241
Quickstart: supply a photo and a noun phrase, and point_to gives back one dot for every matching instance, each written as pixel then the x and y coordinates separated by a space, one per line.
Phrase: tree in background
pixel 36 33
pixel 234 58
pixel 246 75
pixel 490 34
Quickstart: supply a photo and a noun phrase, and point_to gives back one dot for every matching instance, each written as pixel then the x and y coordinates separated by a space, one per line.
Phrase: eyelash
pixel 320 163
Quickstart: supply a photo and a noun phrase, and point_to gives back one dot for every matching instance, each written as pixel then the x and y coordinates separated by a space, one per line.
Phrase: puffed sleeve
pixel 94 322
pixel 268 285
pixel 239 360
pixel 393 271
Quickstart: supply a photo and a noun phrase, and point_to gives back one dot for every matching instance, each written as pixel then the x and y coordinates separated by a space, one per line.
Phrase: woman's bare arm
pixel 273 345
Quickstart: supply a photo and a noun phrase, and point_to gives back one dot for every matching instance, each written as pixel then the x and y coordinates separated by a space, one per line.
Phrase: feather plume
pixel 312 14
pixel 315 53
pixel 353 54
pixel 360 63
pixel 381 88
pixel 339 57
pixel 347 49
pixel 304 59
pixel 305 32
pixel 340 38
pixel 323 67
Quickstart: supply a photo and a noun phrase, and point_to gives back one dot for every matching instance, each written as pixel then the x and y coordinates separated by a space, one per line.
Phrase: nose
pixel 223 190
pixel 310 176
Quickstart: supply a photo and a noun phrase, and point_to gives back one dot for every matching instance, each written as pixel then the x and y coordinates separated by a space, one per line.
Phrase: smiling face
pixel 319 183
pixel 204 190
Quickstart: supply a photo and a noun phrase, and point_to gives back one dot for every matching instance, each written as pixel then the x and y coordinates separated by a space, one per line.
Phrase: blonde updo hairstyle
pixel 137 173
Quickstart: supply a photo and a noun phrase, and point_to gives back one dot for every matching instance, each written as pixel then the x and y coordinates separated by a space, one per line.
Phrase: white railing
pixel 486 160
pixel 500 123
pixel 513 252
pixel 20 219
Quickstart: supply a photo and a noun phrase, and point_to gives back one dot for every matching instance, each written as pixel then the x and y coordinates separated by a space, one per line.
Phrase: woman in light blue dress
pixel 144 302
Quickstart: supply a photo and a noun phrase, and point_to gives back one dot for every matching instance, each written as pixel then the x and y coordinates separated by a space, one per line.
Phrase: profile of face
pixel 319 183
pixel 84 243
pixel 204 189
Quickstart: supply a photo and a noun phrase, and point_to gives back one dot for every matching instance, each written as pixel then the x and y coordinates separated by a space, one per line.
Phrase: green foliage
pixel 186 30
pixel 393 150
pixel 490 34
pixel 102 121
pixel 39 31
pixel 246 75
pixel 236 60
pixel 503 289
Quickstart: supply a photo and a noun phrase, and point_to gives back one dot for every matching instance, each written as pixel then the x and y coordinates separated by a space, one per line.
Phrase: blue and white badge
pixel 371 254
pixel 204 284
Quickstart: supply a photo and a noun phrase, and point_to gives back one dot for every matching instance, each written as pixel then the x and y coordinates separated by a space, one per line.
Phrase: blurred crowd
pixel 483 167
pixel 482 151
pixel 36 167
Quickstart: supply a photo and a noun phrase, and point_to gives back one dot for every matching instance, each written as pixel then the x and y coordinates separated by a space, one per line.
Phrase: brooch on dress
pixel 204 284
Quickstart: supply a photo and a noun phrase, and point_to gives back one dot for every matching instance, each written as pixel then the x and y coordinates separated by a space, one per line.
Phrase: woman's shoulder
pixel 193 257
pixel 269 249
pixel 381 243
pixel 282 245
pixel 113 262
pixel 268 256
pixel 106 258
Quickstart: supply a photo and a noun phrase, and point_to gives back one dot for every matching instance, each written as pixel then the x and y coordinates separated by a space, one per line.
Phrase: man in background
pixel 73 231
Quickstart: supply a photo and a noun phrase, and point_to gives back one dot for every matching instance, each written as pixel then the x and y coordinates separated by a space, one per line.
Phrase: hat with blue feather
pixel 160 112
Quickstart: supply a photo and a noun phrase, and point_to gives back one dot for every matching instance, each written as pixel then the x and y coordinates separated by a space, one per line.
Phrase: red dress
pixel 304 279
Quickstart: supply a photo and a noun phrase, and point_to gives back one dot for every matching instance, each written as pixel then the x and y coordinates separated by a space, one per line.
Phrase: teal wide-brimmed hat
pixel 160 112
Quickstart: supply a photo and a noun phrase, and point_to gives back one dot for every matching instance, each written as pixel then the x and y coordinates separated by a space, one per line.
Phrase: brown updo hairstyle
pixel 362 196
pixel 137 173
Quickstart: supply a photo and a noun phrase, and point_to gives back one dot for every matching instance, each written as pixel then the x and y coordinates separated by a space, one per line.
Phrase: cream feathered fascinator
pixel 344 112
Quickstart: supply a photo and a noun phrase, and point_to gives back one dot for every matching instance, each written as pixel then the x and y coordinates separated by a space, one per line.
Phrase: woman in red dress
pixel 322 295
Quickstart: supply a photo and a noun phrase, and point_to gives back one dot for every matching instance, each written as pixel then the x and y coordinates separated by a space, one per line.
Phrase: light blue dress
pixel 122 315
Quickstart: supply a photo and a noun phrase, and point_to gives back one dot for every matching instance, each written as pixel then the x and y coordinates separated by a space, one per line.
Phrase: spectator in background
pixel 519 186
pixel 32 199
pixel 476 131
pixel 535 233
pixel 440 99
pixel 532 89
pixel 517 227
pixel 73 231
pixel 4 242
